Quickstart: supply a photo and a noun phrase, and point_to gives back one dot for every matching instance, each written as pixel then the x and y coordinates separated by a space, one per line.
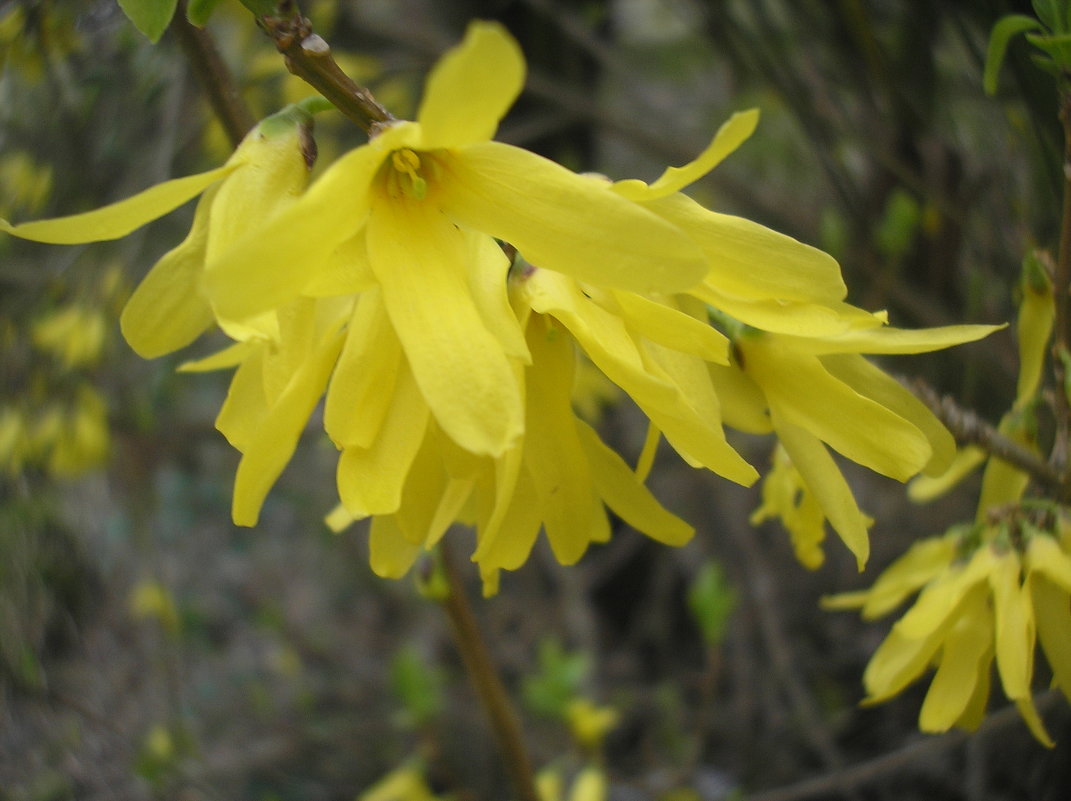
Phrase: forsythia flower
pixel 984 598
pixel 448 369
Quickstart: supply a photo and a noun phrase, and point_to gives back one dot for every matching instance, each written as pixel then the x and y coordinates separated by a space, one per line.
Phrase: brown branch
pixel 213 76
pixel 969 429
pixel 1061 285
pixel 484 677
pixel 895 761
pixel 309 57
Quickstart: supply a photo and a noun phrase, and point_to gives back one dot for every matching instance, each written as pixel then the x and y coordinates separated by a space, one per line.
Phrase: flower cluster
pixel 434 287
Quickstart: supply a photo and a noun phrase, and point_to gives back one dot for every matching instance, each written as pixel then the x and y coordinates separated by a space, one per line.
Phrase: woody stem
pixel 485 680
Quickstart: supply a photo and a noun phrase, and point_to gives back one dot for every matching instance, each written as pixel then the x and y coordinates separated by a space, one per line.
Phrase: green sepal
pixel 151 17
pixel 1003 31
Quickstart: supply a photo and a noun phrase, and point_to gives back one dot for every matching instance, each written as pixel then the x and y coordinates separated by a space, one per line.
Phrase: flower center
pixel 407 174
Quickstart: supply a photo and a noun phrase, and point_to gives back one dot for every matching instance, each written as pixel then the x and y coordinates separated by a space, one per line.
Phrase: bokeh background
pixel 151 650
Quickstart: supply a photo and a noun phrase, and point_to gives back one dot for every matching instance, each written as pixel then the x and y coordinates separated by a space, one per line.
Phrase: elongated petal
pixel 488 269
pixel 1033 327
pixel 230 356
pixel 471 88
pixel 729 137
pixel 1046 557
pixel 743 406
pixel 897 340
pixel 626 494
pixel 566 222
pixel 1014 627
pixel 1051 604
pixel 922 563
pixel 119 219
pixel 877 385
pixel 371 480
pixel 554 458
pixel 609 345
pixel 280 257
pixel 521 522
pixel 966 461
pixel 167 310
pixel 419 259
pixel 963 656
pixel 898 661
pixel 939 602
pixel 362 384
pixel 668 326
pixel 782 317
pixel 824 479
pixel 277 436
pixel 752 262
pixel 802 392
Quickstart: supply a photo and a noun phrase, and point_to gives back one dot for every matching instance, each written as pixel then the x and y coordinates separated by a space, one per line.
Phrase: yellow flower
pixel 972 611
pixel 168 309
pixel 819 391
pixel 411 211
pixel 73 333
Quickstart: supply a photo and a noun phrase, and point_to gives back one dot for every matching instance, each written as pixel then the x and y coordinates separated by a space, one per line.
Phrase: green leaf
pixel 1003 31
pixel 899 225
pixel 151 17
pixel 711 600
pixel 199 11
pixel 560 679
pixel 417 685
pixel 1053 13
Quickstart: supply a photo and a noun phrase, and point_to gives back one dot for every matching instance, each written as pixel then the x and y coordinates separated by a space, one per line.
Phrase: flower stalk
pixel 485 680
pixel 308 56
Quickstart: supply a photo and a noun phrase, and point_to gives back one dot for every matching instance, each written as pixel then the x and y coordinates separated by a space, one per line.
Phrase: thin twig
pixel 309 57
pixel 212 73
pixel 895 761
pixel 1061 285
pixel 969 429
pixel 485 680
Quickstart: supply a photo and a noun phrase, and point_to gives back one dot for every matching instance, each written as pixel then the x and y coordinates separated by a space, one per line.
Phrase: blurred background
pixel 151 650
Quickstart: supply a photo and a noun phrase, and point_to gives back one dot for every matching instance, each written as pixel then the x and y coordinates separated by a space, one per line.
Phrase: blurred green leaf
pixel 711 600
pixel 1053 13
pixel 558 681
pixel 151 17
pixel 417 685
pixel 898 226
pixel 1005 29
pixel 199 11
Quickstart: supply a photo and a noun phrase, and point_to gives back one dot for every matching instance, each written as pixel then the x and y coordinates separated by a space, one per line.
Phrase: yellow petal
pixel 1002 482
pixel 471 88
pixel 370 480
pixel 802 392
pixel 1033 720
pixel 939 602
pixel 1051 611
pixel 824 479
pixel 1014 627
pixel 419 259
pixel 626 494
pixel 743 406
pixel 390 553
pixel 751 262
pixel 566 222
pixel 554 458
pixel 1046 557
pixel 729 137
pixel 362 384
pixel 516 535
pixel 230 356
pixel 488 269
pixel 783 317
pixel 877 385
pixel 167 310
pixel 662 323
pixel 897 340
pixel 609 345
pixel 964 654
pixel 926 488
pixel 119 219
pixel 898 661
pixel 280 257
pixel 922 563
pixel 276 437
